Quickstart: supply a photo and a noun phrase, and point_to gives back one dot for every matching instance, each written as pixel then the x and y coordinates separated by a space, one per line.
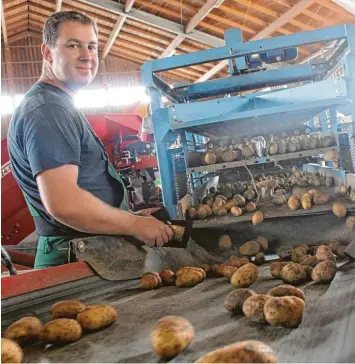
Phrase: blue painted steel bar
pixel 323 120
pixel 333 120
pixel 243 49
pixel 250 81
pixel 232 37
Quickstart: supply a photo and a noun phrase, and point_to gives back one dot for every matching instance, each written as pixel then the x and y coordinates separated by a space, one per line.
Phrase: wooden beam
pixel 201 14
pixel 271 28
pixel 58 5
pixel 128 6
pixel 348 6
pixel 3 24
pixel 116 30
pixel 172 46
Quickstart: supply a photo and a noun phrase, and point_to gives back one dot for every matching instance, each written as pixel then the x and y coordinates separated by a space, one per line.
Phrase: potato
pixel 313 192
pixel 285 290
pixel 236 211
pixel 284 251
pixel 61 331
pixel 303 247
pixel 178 231
pixel 237 262
pixel 339 209
pixel 66 309
pixel 188 269
pixel 333 245
pixel 25 331
pixel 168 277
pixel 310 261
pixel 278 199
pixel 149 281
pixel 257 218
pixel 293 273
pixel 324 272
pixel 249 248
pixel 276 269
pixel 240 200
pixel 306 202
pixel 297 254
pixel 11 352
pixel 250 351
pixel 171 335
pixel 264 244
pixel 208 269
pixel 259 258
pixel 97 316
pixel 309 271
pixel 250 207
pixel 294 203
pixel 192 213
pixel 219 270
pixel 320 199
pixel 222 211
pixel 229 204
pixel 235 299
pixel 284 311
pixel 210 158
pixel 253 307
pixel 189 278
pixel 350 222
pixel 324 253
pixel 245 276
pixel 228 271
pixel 224 242
pixel 202 212
pixel 340 251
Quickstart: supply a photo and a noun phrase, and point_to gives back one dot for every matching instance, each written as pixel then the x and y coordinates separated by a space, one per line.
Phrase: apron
pixel 55 250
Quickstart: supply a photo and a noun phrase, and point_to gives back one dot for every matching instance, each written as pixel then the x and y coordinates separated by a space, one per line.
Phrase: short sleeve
pixel 51 139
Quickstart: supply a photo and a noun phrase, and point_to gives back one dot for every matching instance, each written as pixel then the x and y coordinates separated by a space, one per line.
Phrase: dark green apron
pixel 54 250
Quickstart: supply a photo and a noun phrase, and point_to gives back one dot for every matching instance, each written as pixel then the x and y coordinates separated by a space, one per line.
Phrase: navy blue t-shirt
pixel 48 131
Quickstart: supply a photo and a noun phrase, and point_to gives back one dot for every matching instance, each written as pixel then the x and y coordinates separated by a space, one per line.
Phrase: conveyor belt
pixel 325 335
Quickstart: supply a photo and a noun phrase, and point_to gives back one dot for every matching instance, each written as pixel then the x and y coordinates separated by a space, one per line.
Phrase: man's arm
pixel 66 202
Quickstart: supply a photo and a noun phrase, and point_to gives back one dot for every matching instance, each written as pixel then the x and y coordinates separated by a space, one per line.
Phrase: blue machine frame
pixel 190 112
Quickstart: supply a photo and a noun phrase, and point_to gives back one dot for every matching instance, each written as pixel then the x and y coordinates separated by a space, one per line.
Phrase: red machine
pixel 112 129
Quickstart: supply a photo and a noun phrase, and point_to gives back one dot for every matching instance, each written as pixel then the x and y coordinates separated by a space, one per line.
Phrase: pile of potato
pixel 68 320
pixel 171 335
pixel 281 306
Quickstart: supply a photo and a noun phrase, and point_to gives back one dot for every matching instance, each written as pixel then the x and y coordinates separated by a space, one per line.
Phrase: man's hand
pixel 152 231
pixel 147 212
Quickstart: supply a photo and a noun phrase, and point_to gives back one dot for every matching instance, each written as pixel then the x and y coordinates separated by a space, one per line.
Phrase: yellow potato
pixel 245 276
pixel 324 272
pixel 264 244
pixel 229 270
pixel 251 351
pixel 168 277
pixel 224 242
pixel 149 281
pixel 171 335
pixel 253 307
pixel 297 254
pixel 11 352
pixel 285 290
pixel 67 309
pixel 325 253
pixel 97 316
pixel 250 248
pixel 237 262
pixel 235 299
pixel 257 218
pixel 284 311
pixel 189 269
pixel 189 278
pixel 25 331
pixel 276 269
pixel 61 331
pixel 293 273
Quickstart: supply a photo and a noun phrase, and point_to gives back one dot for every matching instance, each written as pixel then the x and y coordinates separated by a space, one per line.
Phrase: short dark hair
pixel 51 26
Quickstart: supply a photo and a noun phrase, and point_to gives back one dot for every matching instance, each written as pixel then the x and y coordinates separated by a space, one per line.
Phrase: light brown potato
pixel 250 207
pixel 236 211
pixel 224 242
pixel 245 276
pixel 284 311
pixel 229 204
pixel 278 199
pixel 293 273
pixel 26 330
pixel 350 222
pixel 222 211
pixel 285 290
pixel 168 277
pixel 257 218
pixel 250 351
pixel 320 199
pixel 178 231
pixel 306 202
pixel 237 262
pixel 284 251
pixel 340 251
pixel 276 269
pixel 325 253
pixel 97 317
pixel 324 272
pixel 235 299
pixel 264 244
pixel 171 335
pixel 149 281
pixel 188 269
pixel 189 278
pixel 192 213
pixel 253 307
pixel 228 271
pixel 61 331
pixel 297 254
pixel 208 269
pixel 310 261
pixel 309 271
pixel 11 352
pixel 303 247
pixel 219 270
pixel 260 258
pixel 333 245
pixel 294 203
pixel 155 274
pixel 339 209
pixel 249 248
pixel 67 309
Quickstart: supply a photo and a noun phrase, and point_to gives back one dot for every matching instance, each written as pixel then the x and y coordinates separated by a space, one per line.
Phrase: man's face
pixel 74 59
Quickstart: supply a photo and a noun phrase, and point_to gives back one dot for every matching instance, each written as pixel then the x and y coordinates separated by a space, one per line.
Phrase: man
pixel 58 161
